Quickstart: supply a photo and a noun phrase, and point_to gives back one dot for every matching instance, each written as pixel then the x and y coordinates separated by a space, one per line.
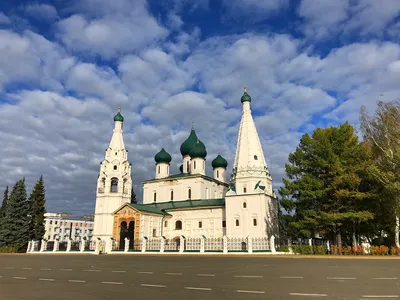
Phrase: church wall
pixel 244 209
pixel 210 218
pixel 200 189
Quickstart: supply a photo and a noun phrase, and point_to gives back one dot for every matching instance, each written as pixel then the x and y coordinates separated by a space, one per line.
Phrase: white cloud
pixel 110 28
pixel 324 18
pixel 4 19
pixel 44 12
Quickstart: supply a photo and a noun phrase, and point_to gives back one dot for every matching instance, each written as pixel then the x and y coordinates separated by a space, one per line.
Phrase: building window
pixel 255 157
pixel 172 195
pixel 187 167
pixel 155 197
pixel 217 174
pixel 223 224
pixel 158 169
pixel 116 153
pixel 178 225
pixel 237 222
pixel 244 205
pixel 51 222
pixel 244 190
pixel 165 223
pixel 254 222
pixel 189 193
pixel 200 224
pixel 55 222
pixel 154 232
pixel 114 185
pixel 194 165
pixel 115 167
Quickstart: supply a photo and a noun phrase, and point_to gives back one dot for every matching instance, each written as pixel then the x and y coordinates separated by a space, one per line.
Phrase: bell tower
pixel 114 183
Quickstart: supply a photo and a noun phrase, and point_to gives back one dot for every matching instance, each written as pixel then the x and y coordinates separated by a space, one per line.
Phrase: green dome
pixel 118 117
pixel 198 150
pixel 189 143
pixel 219 162
pixel 162 157
pixel 246 97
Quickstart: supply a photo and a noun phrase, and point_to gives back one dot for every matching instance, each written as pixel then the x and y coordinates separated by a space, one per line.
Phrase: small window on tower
pixel 114 185
pixel 189 194
pixel 200 224
pixel 158 169
pixel 155 197
pixel 217 173
pixel 254 222
pixel 116 153
pixel 223 224
pixel 237 223
pixel 244 190
pixel 255 157
pixel 194 165
pixel 244 204
pixel 172 195
pixel 115 167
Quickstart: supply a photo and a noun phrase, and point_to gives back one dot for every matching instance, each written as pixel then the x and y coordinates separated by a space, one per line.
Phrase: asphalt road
pixel 25 277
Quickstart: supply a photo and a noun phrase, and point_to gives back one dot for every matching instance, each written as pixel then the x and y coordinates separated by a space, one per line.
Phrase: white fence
pixel 161 244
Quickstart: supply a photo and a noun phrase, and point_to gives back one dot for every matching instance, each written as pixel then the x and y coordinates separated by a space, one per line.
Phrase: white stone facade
pixel 191 204
pixel 63 228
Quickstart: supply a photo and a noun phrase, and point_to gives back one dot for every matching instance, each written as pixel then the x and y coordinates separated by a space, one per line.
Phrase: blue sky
pixel 66 66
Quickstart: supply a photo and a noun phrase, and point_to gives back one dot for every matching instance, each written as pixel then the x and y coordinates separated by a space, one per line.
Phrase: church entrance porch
pixel 126 231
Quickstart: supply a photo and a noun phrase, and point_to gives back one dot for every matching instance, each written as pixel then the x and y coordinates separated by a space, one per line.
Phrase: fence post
pixel 56 246
pixel 97 246
pixel 144 242
pixel 126 248
pixel 272 244
pixel 202 244
pixel 249 244
pixel 109 245
pixel 69 245
pixel 182 244
pixel 162 244
pixel 29 247
pixel 225 243
pixel 82 246
pixel 43 246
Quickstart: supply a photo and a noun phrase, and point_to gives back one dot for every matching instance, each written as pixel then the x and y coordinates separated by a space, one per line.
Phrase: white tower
pixel 114 183
pixel 251 207
pixel 163 160
pixel 198 155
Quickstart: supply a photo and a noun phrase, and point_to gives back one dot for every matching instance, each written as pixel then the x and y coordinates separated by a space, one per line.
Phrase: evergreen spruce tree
pixel 2 215
pixel 37 201
pixel 4 204
pixel 15 227
pixel 133 196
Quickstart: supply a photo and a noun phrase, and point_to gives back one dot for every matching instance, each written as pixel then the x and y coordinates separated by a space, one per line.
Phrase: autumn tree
pixel 382 132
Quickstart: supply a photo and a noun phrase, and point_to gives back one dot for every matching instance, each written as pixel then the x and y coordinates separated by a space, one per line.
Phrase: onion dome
pixel 162 157
pixel 246 97
pixel 198 150
pixel 118 117
pixel 181 168
pixel 219 162
pixel 189 143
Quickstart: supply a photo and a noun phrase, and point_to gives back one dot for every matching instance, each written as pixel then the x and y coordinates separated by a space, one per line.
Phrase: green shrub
pixel 284 248
pixel 8 250
pixel 319 250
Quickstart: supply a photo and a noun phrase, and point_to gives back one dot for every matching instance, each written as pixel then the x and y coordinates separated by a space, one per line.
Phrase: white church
pixel 189 204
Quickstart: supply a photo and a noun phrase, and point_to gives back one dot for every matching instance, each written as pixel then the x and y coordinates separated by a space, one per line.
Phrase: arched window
pixel 187 167
pixel 115 167
pixel 237 222
pixel 158 169
pixel 155 197
pixel 244 204
pixel 217 174
pixel 244 190
pixel 189 193
pixel 254 222
pixel 255 157
pixel 178 225
pixel 194 165
pixel 172 195
pixel 114 185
